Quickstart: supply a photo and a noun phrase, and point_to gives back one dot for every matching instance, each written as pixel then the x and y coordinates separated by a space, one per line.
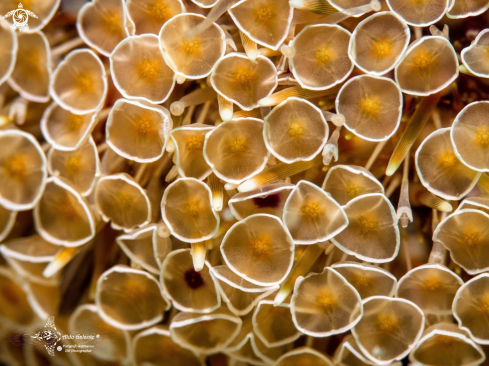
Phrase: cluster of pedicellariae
pixel 168 181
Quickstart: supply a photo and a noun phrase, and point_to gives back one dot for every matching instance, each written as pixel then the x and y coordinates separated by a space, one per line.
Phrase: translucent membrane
pixel 430 65
pixel 80 167
pixel 431 286
pixel 474 56
pixel 187 210
pixel 8 55
pixel 65 130
pixel 378 43
pixel 268 199
pixel 303 356
pixel 349 354
pixel 235 149
pixel 43 299
pixel 239 295
pixel 465 233
pixel 371 106
pixel 470 308
pixel 312 215
pixel 321 58
pixel 205 333
pixel 112 343
pixel 138 131
pixel 15 309
pixel 62 216
pixel 266 22
pixel 23 170
pixel 273 324
pixel 466 8
pixel 32 72
pixel 419 13
pixel 189 290
pixel 470 136
pixel 150 15
pixel 439 169
pixel 194 57
pixel 389 328
pixel 295 130
pixel 29 256
pixel 372 234
pixel 154 346
pixel 242 81
pixel 368 280
pixel 7 221
pixel 139 246
pixel 476 203
pixel 189 150
pixel 139 70
pixel 323 304
pixel 102 24
pixel 122 201
pixel 448 345
pixel 79 83
pixel 345 182
pixel 121 290
pixel 259 249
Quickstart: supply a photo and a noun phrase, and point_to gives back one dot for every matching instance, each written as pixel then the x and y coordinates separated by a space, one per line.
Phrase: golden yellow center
pixel 195 143
pixel 113 23
pixel 148 69
pixel 387 323
pixel 73 164
pixel 432 284
pixel 382 48
pixel 311 210
pixel 192 208
pixel 326 300
pixel 423 59
pixel 296 129
pixel 67 210
pixel 483 305
pixel 238 145
pixel 264 13
pixel 370 106
pixel 353 190
pixel 84 83
pixel 482 138
pixel 159 10
pixel 361 281
pixel 470 239
pixel 74 123
pixel 144 125
pixel 192 47
pixel 124 200
pixel 323 55
pixel 242 75
pixel 134 291
pixel 366 226
pixel 15 167
pixel 448 159
pixel 261 245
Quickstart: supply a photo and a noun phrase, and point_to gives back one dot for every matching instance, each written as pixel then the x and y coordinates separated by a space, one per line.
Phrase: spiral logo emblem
pixel 20 17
